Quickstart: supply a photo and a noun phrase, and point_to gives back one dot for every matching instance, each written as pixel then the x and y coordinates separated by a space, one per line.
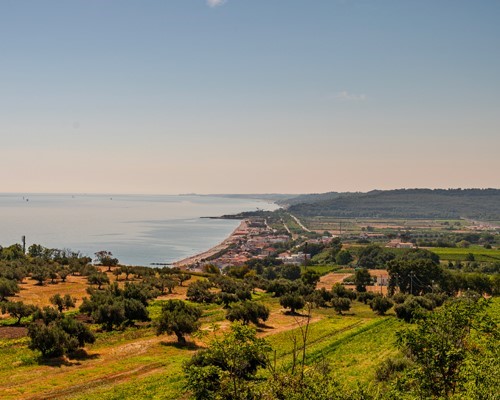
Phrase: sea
pixel 137 229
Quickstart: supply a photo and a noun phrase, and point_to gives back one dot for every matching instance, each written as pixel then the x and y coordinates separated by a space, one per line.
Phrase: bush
pixel 387 368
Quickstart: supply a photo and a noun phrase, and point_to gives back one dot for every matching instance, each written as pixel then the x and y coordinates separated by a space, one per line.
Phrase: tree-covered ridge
pixel 481 204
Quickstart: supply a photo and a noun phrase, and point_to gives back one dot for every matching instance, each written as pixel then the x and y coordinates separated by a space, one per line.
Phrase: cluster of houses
pixel 255 239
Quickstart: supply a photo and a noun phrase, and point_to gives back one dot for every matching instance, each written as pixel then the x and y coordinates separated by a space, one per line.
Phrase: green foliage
pixel 344 257
pixel 381 304
pixel 310 278
pixel 17 310
pixel 106 259
pixel 413 308
pixel 340 304
pixel 7 288
pixel 199 292
pixel 99 279
pixel 414 276
pixel 55 337
pixel 293 301
pixel 248 311
pixel 451 348
pixel 226 369
pixel 339 290
pixel 362 279
pixel 374 257
pixel 61 302
pixel 114 307
pixel 180 318
pixel 407 203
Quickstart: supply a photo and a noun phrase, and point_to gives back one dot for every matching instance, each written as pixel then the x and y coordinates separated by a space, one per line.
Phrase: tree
pixel 18 310
pixel 414 276
pixel 248 311
pixel 127 270
pixel 180 318
pixel 114 306
pixel 293 301
pixel 455 351
pixel 340 290
pixel 227 367
pixel 381 304
pixel 199 292
pixel 291 272
pixel 362 279
pixel 340 304
pixel 61 302
pixel 344 257
pixel 63 273
pixel 413 308
pixel 99 279
pixel 59 336
pixel 7 288
pixel 311 278
pixel 40 273
pixel 106 259
pixel 183 278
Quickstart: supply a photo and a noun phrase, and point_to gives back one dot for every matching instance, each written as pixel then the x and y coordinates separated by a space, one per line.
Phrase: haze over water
pixel 137 229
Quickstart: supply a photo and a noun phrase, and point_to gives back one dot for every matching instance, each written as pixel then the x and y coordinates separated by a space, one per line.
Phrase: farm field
pixel 460 254
pixel 358 225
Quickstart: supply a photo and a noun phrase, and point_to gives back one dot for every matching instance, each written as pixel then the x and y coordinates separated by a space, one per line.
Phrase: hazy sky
pixel 174 96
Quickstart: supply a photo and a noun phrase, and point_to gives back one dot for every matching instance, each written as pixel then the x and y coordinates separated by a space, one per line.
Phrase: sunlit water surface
pixel 137 229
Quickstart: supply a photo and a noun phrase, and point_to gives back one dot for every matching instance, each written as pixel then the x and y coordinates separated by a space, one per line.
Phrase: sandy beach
pixel 235 235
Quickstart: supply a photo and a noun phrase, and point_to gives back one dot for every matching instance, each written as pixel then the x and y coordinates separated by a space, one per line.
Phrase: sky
pixel 248 96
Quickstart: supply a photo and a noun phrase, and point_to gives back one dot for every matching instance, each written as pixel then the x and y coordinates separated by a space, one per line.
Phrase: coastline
pixel 200 257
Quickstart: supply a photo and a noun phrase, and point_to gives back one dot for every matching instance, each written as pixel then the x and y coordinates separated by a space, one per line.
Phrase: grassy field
pixel 460 254
pixel 136 363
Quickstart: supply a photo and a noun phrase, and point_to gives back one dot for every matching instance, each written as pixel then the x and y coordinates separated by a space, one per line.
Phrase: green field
pixel 135 363
pixel 460 254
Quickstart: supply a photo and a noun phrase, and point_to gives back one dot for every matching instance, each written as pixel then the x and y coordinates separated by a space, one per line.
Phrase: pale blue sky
pixel 170 96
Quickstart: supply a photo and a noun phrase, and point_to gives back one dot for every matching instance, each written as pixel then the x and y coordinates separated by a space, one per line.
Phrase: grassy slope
pixel 137 364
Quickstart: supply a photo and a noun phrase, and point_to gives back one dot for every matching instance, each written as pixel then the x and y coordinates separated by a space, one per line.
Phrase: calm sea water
pixel 137 229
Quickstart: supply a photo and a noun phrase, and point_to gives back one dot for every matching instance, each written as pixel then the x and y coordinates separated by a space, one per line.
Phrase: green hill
pixel 482 204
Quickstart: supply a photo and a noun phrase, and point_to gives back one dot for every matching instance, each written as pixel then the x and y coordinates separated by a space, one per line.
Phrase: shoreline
pixel 200 257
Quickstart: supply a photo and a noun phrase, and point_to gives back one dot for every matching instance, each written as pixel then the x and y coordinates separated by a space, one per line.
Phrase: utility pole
pixel 23 240
pixel 411 282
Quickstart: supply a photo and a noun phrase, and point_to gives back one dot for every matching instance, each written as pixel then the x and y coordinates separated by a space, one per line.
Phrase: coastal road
pixel 299 223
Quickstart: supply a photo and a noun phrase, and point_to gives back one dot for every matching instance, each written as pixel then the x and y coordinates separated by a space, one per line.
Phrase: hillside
pixel 482 204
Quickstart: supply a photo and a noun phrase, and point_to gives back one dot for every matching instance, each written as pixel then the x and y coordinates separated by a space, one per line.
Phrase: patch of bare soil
pixel 328 280
pixel 12 332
